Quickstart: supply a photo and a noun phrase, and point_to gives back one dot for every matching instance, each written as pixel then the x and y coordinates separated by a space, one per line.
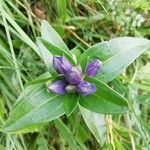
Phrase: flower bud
pixel 93 67
pixel 61 64
pixel 85 88
pixel 57 87
pixel 70 88
pixel 75 76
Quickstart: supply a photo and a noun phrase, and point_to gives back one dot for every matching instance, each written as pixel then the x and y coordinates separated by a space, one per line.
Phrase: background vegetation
pixel 81 23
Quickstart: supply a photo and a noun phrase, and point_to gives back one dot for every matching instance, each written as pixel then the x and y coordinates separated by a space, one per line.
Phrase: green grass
pixel 81 23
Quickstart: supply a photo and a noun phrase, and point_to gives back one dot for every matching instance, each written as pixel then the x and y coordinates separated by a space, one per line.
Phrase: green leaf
pixel 105 100
pixel 102 51
pixel 66 134
pixel 62 10
pixel 144 99
pixel 41 142
pixel 57 51
pixel 55 41
pixel 95 123
pixel 46 56
pixel 35 106
pixel 116 54
pixel 50 35
pixel 2 110
pixel 21 34
pixel 70 102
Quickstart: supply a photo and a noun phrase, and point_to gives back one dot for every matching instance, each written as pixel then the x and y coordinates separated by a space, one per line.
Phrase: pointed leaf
pixel 116 54
pixel 66 134
pixel 57 51
pixel 35 106
pixel 70 102
pixel 95 123
pixel 105 100
pixel 50 35
pixel 46 56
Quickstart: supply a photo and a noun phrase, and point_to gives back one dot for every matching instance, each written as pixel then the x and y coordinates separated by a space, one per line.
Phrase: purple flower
pixel 72 77
pixel 61 64
pixel 58 87
pixel 93 67
pixel 75 76
pixel 85 88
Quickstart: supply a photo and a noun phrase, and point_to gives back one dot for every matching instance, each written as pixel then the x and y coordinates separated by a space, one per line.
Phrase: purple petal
pixel 85 88
pixel 75 76
pixel 93 67
pixel 58 87
pixel 61 64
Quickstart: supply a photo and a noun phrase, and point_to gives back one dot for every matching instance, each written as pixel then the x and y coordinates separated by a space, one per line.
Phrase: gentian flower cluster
pixel 72 78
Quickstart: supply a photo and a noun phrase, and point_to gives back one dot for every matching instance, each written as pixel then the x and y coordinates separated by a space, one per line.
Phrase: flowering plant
pixel 74 80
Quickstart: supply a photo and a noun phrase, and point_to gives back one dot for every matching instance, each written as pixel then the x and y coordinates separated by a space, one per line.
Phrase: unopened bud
pixel 61 64
pixel 57 87
pixel 75 76
pixel 85 88
pixel 93 67
pixel 70 88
